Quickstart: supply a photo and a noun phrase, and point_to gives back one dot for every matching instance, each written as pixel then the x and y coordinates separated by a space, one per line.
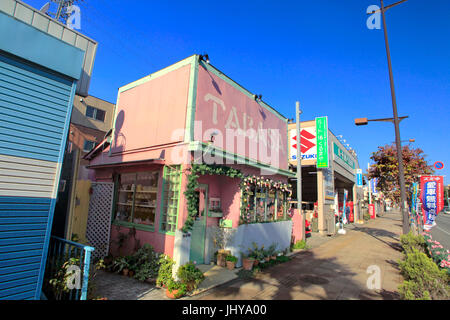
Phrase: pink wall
pixel 148 114
pixel 220 106
pixel 297 226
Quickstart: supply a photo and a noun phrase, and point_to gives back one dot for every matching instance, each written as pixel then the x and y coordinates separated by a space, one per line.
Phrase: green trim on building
pixel 200 146
pixel 192 101
pixel 177 171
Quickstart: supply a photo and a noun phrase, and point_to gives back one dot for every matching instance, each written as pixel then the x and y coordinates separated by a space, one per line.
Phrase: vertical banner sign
pixel 432 198
pixel 344 207
pixel 322 142
pixel 373 185
pixel 359 178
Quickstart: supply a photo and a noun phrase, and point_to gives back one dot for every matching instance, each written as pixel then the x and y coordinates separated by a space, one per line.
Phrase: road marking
pixel 443 230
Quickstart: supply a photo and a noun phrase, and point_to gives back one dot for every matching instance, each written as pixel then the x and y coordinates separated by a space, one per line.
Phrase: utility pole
pixel 401 172
pixel 299 170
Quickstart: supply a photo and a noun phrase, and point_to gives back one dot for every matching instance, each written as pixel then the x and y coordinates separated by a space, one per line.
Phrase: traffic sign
pixel 438 165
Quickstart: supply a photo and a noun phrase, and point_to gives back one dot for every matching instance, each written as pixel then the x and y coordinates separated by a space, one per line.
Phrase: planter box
pixel 215 214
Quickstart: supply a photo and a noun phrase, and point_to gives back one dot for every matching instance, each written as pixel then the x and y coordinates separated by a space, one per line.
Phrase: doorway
pixel 198 234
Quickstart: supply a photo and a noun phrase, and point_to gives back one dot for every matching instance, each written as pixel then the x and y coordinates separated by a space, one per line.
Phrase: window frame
pixel 94 113
pixel 84 145
pixel 177 172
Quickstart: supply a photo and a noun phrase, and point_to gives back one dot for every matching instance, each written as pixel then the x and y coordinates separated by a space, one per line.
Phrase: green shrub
pixel 177 285
pixel 423 278
pixel 366 216
pixel 232 258
pixel 145 262
pixel 165 270
pixel 409 241
pixel 190 274
pixel 301 244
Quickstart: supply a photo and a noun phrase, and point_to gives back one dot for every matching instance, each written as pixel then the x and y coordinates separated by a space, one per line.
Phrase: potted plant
pixel 231 262
pixel 190 275
pixel 271 251
pixel 175 289
pixel 247 262
pixel 120 264
pixel 222 256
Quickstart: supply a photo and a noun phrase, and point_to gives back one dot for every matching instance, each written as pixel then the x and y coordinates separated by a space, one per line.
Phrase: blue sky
pixel 318 52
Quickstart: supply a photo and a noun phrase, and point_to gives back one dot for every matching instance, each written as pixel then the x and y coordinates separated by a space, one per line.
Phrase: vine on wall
pixel 198 170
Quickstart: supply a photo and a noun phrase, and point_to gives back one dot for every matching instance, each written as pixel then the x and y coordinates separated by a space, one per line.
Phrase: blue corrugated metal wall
pixel 35 108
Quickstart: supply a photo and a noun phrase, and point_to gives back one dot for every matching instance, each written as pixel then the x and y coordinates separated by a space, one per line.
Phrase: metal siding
pixel 35 108
pixel 47 25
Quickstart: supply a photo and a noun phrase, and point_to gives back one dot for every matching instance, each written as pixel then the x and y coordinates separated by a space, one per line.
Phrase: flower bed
pixel 437 252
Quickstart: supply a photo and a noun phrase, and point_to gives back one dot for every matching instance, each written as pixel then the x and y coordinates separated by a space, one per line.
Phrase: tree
pixel 386 169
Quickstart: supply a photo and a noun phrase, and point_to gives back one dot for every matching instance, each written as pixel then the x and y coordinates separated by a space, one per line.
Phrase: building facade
pixel 42 65
pixel 186 164
pixel 322 183
pixel 90 121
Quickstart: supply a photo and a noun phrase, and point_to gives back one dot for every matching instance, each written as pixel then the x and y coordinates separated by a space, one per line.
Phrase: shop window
pixel 271 199
pixel 170 199
pixel 260 210
pixel 266 204
pixel 136 198
pixel 281 205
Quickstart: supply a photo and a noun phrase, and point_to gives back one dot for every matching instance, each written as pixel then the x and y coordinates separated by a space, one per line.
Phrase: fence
pixel 67 270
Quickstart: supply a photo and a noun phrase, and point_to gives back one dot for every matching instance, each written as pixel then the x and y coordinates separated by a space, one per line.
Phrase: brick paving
pixel 333 268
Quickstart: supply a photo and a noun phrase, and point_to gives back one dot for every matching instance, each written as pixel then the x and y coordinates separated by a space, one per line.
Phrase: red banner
pixel 432 197
pixel 372 211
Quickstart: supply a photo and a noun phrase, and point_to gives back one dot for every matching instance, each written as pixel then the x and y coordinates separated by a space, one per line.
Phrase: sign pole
pixel 299 171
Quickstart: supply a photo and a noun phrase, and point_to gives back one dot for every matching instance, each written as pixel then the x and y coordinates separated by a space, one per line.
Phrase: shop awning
pixel 158 161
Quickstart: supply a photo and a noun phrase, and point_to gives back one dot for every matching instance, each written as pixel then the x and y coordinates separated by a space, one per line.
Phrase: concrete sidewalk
pixel 336 268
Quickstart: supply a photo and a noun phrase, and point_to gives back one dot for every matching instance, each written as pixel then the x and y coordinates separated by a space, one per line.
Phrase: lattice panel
pixel 99 217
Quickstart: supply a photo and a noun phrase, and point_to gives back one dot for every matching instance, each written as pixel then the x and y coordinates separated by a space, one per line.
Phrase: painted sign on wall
pixel 244 126
pixel 307 141
pixel 322 142
pixel 341 154
pixel 432 197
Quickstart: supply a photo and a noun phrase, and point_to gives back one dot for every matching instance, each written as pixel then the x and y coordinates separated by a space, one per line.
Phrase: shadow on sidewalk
pixel 305 277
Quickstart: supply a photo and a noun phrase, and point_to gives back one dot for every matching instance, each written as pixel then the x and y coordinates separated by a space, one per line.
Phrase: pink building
pixel 192 117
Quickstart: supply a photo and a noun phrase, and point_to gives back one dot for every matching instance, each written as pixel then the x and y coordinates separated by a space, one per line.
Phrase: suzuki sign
pixel 308 143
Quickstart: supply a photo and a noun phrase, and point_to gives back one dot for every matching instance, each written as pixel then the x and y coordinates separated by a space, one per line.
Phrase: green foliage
pixel 58 283
pixel 366 216
pixel 271 250
pixel 191 196
pixel 165 270
pixel 423 279
pixel 145 263
pixel 177 285
pixel 410 241
pixel 301 244
pixel 232 258
pixel 386 168
pixel 189 273
pixel 282 259
pixel 120 263
pixel 256 252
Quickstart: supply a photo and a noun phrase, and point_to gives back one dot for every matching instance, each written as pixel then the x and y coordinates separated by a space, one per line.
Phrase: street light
pixel 401 170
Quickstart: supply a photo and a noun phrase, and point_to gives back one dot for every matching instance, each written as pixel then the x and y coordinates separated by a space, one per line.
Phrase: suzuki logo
pixel 305 141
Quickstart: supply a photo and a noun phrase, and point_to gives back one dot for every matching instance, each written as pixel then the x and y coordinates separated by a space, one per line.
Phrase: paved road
pixel 336 269
pixel 441 231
